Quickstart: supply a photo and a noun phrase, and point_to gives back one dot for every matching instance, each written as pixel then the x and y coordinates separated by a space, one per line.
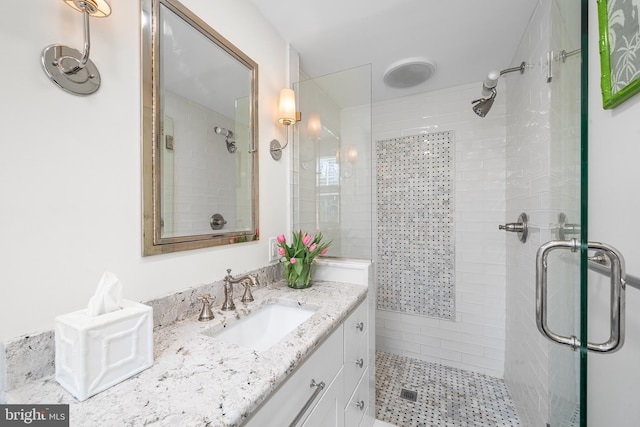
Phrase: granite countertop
pixel 197 380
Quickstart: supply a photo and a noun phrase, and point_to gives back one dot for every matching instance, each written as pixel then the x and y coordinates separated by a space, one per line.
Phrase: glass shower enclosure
pixel 332 162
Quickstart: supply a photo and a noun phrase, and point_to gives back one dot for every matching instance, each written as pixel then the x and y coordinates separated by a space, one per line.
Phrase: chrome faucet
pixel 247 280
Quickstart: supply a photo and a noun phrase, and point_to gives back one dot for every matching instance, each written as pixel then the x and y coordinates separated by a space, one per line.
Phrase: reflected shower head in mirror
pixel 482 106
pixel 223 131
pixel 229 139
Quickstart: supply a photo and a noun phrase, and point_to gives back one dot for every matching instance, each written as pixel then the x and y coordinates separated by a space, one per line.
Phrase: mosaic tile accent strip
pixel 415 187
pixel 446 396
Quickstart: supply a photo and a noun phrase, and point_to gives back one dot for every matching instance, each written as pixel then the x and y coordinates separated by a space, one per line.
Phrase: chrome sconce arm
pixel 68 68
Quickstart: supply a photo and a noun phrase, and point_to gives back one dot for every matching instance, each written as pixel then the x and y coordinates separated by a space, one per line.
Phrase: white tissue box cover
pixel 94 353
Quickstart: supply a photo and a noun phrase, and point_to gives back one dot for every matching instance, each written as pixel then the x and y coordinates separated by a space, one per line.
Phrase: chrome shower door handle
pixel 541 290
pixel 618 302
pixel 617 308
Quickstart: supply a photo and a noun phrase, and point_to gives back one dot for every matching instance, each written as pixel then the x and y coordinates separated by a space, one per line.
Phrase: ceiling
pixel 465 38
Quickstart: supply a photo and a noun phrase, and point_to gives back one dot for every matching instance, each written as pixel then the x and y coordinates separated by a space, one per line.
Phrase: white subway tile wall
pixel 198 145
pixel 475 340
pixel 356 187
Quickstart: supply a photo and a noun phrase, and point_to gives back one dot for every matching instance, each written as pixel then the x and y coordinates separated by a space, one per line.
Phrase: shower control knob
pixel 520 227
pixel 514 227
pixel 217 222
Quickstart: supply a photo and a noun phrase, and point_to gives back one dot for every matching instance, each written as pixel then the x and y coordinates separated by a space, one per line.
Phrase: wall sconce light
pixel 287 116
pixel 352 154
pixel 67 67
pixel 314 127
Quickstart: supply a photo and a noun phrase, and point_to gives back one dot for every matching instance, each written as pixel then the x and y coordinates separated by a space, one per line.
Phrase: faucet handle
pixel 248 296
pixel 254 280
pixel 206 314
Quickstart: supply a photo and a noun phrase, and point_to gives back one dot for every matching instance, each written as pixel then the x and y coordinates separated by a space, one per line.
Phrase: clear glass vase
pixel 297 280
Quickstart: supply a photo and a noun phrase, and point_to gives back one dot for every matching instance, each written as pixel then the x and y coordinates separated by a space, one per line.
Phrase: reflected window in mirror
pixel 200 163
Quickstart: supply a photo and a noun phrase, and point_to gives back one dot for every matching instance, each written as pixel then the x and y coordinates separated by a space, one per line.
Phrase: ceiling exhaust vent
pixel 409 72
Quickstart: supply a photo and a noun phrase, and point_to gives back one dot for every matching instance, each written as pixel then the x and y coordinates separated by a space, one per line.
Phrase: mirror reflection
pixel 200 129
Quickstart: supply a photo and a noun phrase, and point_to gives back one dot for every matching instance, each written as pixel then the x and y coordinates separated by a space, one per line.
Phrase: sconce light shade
pixel 95 8
pixel 69 68
pixel 287 107
pixel 287 115
pixel 314 126
pixel 352 154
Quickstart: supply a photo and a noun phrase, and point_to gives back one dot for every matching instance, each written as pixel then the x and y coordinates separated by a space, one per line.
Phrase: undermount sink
pixel 263 328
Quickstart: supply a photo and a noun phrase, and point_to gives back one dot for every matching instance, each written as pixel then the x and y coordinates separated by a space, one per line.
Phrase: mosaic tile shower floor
pixel 446 396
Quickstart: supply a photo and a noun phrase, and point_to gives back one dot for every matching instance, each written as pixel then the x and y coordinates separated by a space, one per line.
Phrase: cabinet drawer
pixel 356 356
pixel 285 403
pixel 356 361
pixel 358 404
pixel 356 324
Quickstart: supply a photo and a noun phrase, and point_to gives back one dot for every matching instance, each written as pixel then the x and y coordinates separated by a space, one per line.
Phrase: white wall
pixel 476 339
pixel 614 203
pixel 71 174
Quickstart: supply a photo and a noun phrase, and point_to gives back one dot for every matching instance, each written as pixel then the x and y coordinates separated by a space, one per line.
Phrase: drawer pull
pixel 360 405
pixel 360 326
pixel 319 387
pixel 360 363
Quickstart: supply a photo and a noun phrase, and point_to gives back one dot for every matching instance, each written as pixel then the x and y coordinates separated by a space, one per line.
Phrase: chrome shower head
pixel 229 138
pixel 482 106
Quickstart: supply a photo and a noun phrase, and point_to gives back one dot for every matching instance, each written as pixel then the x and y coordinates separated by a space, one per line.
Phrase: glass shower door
pixel 563 303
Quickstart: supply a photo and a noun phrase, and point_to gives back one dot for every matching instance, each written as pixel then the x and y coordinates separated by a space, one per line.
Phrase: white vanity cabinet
pixel 289 401
pixel 342 363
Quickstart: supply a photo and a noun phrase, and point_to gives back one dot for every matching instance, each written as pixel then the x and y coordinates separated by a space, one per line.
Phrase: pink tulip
pixel 292 260
pixel 324 251
pixel 312 247
pixel 281 251
pixel 306 239
pixel 281 239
